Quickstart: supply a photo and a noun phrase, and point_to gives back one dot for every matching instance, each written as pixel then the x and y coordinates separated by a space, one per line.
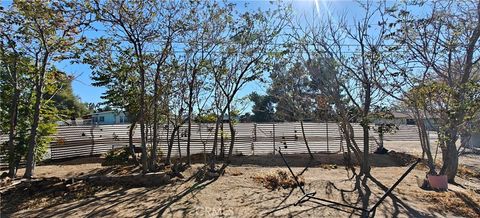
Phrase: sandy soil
pixel 468 159
pixel 66 169
pixel 237 194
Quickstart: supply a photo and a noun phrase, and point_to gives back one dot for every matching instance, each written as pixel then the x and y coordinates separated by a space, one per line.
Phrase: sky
pixel 83 88
pixel 82 84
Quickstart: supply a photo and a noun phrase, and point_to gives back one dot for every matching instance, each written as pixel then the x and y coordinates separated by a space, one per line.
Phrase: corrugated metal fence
pixel 250 138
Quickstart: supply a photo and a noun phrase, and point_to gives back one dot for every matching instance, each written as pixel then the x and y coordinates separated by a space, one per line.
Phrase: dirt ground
pixel 237 194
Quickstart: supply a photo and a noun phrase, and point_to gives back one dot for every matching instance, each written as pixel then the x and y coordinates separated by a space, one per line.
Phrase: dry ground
pixel 237 194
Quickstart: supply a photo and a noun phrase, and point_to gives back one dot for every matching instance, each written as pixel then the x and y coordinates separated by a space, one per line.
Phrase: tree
pixel 68 105
pixel 356 50
pixel 11 72
pixel 443 44
pixel 291 92
pixel 45 32
pixel 13 78
pixel 112 70
pixel 243 57
pixel 206 24
pixel 263 110
pixel 17 147
pixel 131 22
pixel 134 26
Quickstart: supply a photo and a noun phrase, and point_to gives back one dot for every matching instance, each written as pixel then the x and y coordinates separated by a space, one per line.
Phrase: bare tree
pixel 346 57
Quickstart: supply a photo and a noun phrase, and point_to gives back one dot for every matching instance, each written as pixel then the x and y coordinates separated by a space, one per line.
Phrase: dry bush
pixel 233 172
pixel 467 172
pixel 459 203
pixel 117 156
pixel 329 166
pixel 277 179
pixel 402 158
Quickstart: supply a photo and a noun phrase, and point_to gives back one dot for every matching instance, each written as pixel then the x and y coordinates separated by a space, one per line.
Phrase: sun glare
pixel 317 6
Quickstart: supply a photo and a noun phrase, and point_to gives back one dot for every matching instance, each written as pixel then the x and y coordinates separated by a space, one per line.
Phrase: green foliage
pixel 384 120
pixel 291 93
pixel 442 101
pixel 67 104
pixel 263 110
pixel 118 156
pixel 206 118
pixel 49 113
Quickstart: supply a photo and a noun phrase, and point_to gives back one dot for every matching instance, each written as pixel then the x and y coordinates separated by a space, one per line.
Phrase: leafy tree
pixel 291 92
pixel 68 105
pixel 44 32
pixel 263 110
pixel 131 22
pixel 246 118
pixel 441 46
pixel 132 27
pixel 203 32
pixel 17 149
pixel 206 118
pixel 243 57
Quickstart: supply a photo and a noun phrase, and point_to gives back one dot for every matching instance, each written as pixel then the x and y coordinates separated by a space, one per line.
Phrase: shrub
pixel 277 179
pixel 117 156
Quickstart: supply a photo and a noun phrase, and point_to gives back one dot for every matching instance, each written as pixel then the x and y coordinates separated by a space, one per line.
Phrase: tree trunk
pixel 190 114
pixel 30 165
pixel 366 147
pixel 215 143
pixel 143 136
pixel 222 141
pixel 426 144
pixel 350 141
pixel 189 132
pixel 465 137
pixel 168 160
pixel 178 144
pixel 215 137
pixel 450 156
pixel 153 160
pixel 130 142
pixel 12 155
pixel 380 135
pixel 143 145
pixel 232 137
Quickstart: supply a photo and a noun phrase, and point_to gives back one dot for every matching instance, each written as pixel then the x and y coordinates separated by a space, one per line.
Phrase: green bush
pixel 117 156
